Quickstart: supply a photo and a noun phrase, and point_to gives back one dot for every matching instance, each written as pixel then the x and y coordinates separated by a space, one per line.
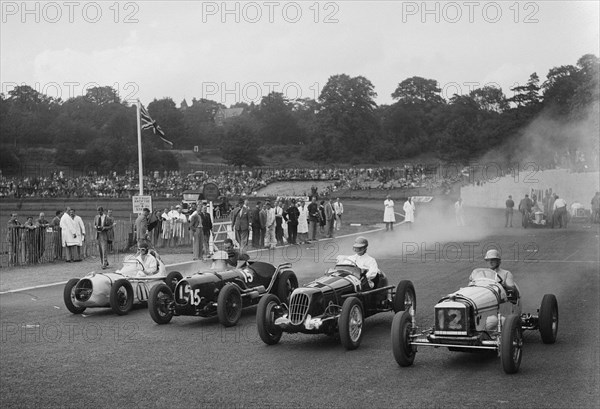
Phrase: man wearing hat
pixel 102 225
pixel 365 261
pixel 241 224
pixel 506 278
pixel 148 264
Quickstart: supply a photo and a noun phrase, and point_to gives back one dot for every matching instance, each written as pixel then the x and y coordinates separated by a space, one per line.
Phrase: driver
pixel 147 262
pixel 506 277
pixel 234 257
pixel 365 261
pixel 219 261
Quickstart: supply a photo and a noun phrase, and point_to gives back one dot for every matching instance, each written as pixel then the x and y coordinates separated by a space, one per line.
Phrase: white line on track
pixel 251 251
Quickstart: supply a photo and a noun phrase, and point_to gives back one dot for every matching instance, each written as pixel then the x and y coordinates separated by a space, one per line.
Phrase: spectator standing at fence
pixel 255 221
pixel 28 240
pixel 262 215
pixel 56 235
pixel 302 222
pixel 241 223
pixel 409 212
pixel 313 219
pixel 459 212
pixel 100 224
pixel 389 217
pixel 206 230
pixel 291 216
pixel 338 207
pixel 329 218
pixel 13 238
pixel 270 240
pixel 141 227
pixel 322 219
pixel 197 235
pixel 42 224
pixel 279 223
pixel 508 212
pixel 73 232
pixel 110 220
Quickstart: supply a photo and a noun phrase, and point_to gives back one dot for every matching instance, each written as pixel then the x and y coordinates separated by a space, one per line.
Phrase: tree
pixel 170 119
pixel 102 95
pixel 489 98
pixel 527 95
pixel 240 143
pixel 418 90
pixel 277 124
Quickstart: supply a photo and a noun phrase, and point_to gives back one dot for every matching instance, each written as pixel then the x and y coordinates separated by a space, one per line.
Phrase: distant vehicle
pixel 483 316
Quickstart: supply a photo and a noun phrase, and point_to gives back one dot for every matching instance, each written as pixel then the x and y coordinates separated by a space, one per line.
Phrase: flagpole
pixel 139 135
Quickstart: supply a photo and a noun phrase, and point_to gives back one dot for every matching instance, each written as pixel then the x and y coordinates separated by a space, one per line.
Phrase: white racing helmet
pixel 492 254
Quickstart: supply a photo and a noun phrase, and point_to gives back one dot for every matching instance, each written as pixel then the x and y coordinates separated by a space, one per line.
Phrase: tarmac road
pixel 51 358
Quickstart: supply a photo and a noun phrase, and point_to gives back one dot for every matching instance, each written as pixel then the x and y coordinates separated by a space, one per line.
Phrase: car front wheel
pixel 159 301
pixel 548 319
pixel 404 352
pixel 69 296
pixel 265 319
pixel 350 323
pixel 121 297
pixel 172 279
pixel 405 298
pixel 229 305
pixel 511 344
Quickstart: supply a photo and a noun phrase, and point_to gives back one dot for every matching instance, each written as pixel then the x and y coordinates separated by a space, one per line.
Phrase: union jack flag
pixel 148 123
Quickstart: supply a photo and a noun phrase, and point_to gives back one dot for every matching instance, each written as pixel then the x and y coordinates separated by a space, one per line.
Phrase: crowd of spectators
pixel 244 182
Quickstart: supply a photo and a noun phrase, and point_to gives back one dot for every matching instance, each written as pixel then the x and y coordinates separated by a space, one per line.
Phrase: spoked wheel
pixel 402 329
pixel 351 323
pixel 229 305
pixel 511 344
pixel 265 319
pixel 405 298
pixel 548 319
pixel 69 296
pixel 286 284
pixel 172 279
pixel 121 297
pixel 158 304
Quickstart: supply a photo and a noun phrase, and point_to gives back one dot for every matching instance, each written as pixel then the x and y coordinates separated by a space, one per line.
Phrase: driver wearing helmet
pixel 365 261
pixel 147 262
pixel 505 276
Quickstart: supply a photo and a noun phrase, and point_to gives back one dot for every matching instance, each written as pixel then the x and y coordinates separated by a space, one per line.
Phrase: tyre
pixel 511 344
pixel 402 329
pixel 69 296
pixel 350 323
pixel 229 305
pixel 172 279
pixel 548 319
pixel 286 284
pixel 265 319
pixel 121 297
pixel 405 298
pixel 159 301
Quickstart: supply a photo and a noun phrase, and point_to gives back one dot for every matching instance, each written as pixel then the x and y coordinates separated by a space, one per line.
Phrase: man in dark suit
pixel 329 218
pixel 206 230
pixel 255 220
pixel 263 225
pixel 141 226
pixel 291 215
pixel 241 224
pixel 102 227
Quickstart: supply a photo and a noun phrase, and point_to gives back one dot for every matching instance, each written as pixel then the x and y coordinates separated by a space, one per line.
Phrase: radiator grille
pixel 298 308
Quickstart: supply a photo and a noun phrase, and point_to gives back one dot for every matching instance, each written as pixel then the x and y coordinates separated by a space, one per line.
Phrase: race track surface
pixel 51 358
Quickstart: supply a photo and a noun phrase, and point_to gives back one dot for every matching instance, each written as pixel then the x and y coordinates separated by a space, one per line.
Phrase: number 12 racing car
pixel 483 316
pixel 336 303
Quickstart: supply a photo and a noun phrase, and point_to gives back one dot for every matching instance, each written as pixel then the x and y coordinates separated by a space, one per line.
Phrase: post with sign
pixel 211 194
pixel 139 202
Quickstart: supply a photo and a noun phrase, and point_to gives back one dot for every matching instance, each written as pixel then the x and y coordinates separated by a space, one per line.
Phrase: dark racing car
pixel 222 292
pixel 336 303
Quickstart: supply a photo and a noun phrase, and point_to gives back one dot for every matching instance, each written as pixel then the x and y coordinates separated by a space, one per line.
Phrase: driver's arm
pixel 372 268
pixel 151 265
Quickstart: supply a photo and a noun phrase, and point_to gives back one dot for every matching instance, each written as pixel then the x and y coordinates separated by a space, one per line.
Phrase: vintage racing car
pixel 222 293
pixel 483 316
pixel 336 303
pixel 121 288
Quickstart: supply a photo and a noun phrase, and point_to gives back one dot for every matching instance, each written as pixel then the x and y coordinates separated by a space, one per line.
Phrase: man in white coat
pixel 73 234
pixel 389 217
pixel 409 212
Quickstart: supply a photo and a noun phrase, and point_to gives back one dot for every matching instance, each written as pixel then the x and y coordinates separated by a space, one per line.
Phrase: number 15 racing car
pixel 336 303
pixel 222 292
pixel 483 316
pixel 118 289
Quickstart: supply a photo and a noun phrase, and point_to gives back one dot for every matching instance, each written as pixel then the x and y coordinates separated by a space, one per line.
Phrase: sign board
pixel 139 202
pixel 211 192
pixel 196 148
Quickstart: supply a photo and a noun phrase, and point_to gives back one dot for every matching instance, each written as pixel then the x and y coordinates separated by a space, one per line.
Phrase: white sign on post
pixel 139 202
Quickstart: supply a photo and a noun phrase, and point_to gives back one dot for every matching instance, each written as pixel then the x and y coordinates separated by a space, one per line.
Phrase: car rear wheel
pixel 121 297
pixel 172 279
pixel 159 301
pixel 350 323
pixel 286 284
pixel 69 296
pixel 402 329
pixel 405 298
pixel 265 319
pixel 511 344
pixel 229 305
pixel 548 319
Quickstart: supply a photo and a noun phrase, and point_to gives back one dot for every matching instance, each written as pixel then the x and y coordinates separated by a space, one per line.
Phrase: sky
pixel 234 52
